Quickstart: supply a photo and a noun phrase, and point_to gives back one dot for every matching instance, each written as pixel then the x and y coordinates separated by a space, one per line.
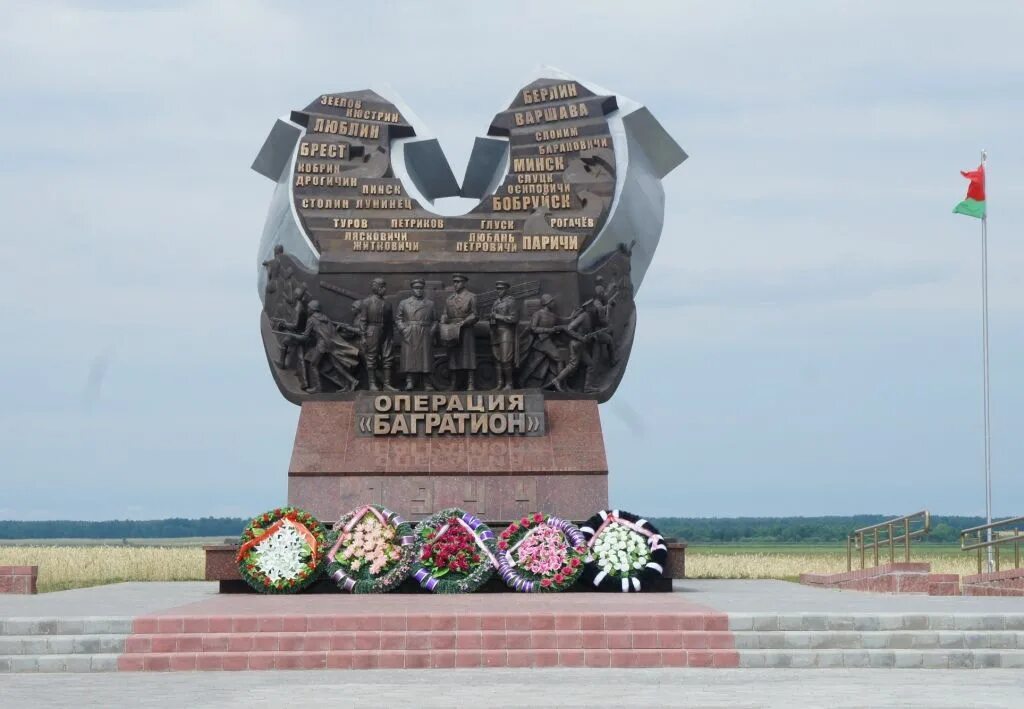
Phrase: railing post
pixel 1016 551
pixel 979 560
pixel 995 547
pixel 876 546
pixel 860 538
pixel 892 549
pixel 849 553
pixel 906 539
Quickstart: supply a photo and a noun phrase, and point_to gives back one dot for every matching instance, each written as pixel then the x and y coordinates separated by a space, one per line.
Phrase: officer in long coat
pixel 503 321
pixel 374 318
pixel 460 313
pixel 416 322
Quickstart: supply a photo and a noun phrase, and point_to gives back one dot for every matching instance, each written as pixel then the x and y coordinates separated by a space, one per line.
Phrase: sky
pixel 814 305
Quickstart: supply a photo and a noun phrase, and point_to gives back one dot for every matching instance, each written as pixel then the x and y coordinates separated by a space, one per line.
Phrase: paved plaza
pixel 725 595
pixel 523 687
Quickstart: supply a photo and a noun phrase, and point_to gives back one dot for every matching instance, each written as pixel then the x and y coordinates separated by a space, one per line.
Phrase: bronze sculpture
pixel 417 322
pixel 562 206
pixel 375 321
pixel 327 347
pixel 457 331
pixel 504 317
pixel 543 360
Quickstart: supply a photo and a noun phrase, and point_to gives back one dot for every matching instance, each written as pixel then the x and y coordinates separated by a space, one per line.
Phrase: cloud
pixel 836 282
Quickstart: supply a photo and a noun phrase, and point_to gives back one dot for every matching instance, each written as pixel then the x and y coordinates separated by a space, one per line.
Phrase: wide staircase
pixel 573 639
pixel 62 644
pixel 442 640
pixel 907 640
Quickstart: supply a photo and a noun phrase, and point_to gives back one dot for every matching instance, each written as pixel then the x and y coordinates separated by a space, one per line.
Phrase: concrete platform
pixel 190 626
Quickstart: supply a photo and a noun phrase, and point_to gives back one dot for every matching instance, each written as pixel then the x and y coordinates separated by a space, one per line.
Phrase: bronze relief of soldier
pixel 503 321
pixel 591 344
pixel 374 319
pixel 417 322
pixel 432 341
pixel 542 360
pixel 457 332
pixel 326 351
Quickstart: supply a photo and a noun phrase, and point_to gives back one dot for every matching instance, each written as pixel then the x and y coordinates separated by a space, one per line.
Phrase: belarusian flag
pixel 974 205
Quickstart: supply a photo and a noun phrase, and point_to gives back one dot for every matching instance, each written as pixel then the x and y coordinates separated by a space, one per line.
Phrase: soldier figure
pixel 601 312
pixel 416 322
pixel 295 323
pixel 326 343
pixel 544 359
pixel 373 318
pixel 580 332
pixel 504 318
pixel 460 317
pixel 273 266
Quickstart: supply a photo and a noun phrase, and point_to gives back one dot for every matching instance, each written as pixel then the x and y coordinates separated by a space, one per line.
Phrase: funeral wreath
pixel 626 552
pixel 282 551
pixel 373 550
pixel 457 552
pixel 541 553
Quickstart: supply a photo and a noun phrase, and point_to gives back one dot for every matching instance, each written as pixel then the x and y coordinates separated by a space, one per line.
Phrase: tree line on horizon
pixel 799 530
pixel 694 530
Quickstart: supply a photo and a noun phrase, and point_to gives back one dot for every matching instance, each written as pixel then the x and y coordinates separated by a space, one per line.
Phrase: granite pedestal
pixel 498 478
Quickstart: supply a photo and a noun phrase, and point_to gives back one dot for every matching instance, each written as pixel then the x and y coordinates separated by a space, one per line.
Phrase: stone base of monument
pixel 334 468
pixel 497 478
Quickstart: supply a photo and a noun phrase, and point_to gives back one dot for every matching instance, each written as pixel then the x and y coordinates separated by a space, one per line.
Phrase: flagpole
pixel 987 396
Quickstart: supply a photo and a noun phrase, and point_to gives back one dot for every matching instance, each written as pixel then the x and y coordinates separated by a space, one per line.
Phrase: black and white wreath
pixel 626 554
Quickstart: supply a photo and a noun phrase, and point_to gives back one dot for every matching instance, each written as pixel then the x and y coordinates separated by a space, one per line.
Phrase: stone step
pixel 53 625
pixel 430 621
pixel 878 640
pixel 428 640
pixel 927 659
pixel 371 659
pixel 99 662
pixel 768 622
pixel 62 644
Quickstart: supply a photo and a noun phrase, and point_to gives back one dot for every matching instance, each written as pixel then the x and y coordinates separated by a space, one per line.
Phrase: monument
pixel 457 361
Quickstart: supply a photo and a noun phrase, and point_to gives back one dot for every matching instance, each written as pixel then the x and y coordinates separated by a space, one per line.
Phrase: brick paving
pixel 415 631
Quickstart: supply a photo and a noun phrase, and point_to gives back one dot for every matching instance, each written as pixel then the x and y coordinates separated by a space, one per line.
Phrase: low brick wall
pixel 890 578
pixel 18 579
pixel 676 568
pixel 998 583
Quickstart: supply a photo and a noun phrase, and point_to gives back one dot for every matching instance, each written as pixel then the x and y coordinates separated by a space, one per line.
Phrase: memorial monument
pixel 457 361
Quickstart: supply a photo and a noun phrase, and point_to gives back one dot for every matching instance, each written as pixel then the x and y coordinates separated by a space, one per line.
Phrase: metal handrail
pixel 855 540
pixel 994 540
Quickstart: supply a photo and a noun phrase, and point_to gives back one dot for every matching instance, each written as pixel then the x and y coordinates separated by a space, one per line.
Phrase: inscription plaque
pixel 512 414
